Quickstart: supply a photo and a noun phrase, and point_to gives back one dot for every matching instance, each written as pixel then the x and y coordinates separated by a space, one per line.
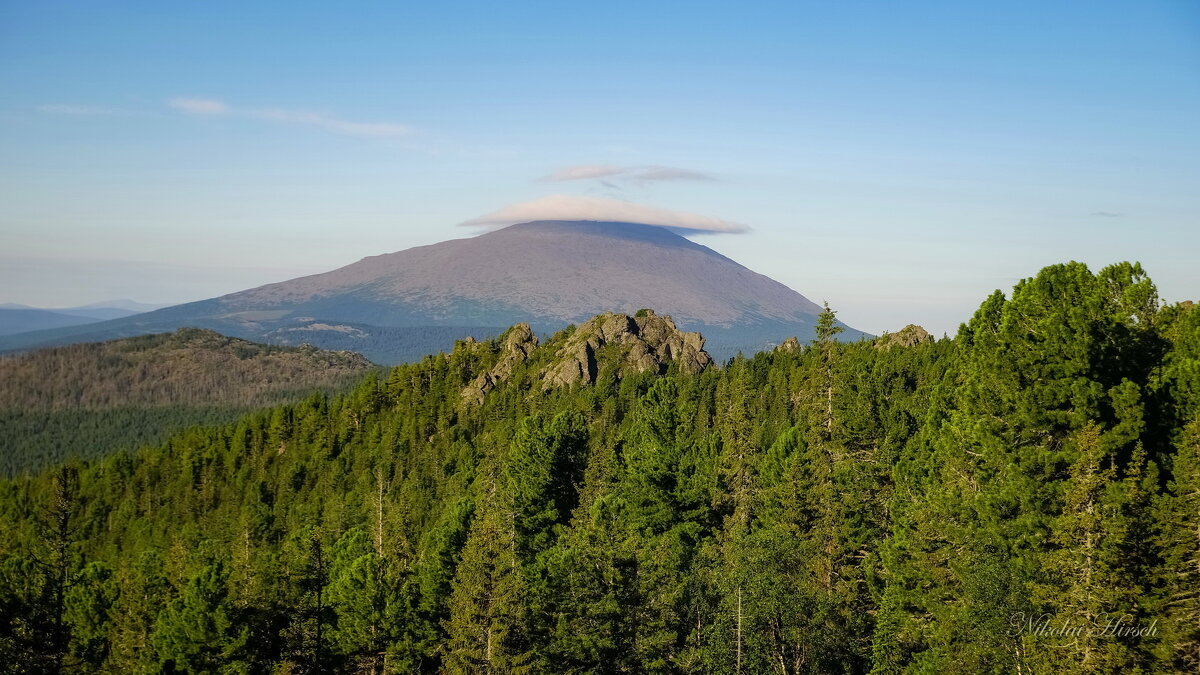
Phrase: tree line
pixel 1022 498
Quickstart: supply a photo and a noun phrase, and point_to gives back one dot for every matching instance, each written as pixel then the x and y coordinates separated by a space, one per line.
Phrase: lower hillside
pixel 87 399
pixel 609 501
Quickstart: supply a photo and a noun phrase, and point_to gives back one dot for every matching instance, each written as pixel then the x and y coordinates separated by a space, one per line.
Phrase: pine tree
pixel 1178 516
pixel 198 632
pixel 486 630
pixel 543 467
pixel 825 332
pixel 359 594
pixel 595 629
pixel 1086 570
pixel 143 592
pixel 984 482
pixel 90 603
pixel 307 634
pixel 736 499
pixel 730 521
pixel 651 459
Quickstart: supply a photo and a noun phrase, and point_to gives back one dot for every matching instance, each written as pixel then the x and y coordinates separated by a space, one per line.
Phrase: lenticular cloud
pixel 566 207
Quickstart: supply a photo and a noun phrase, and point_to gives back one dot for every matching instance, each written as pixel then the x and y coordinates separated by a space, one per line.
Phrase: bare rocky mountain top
pixel 519 343
pixel 626 344
pixel 909 336
pixel 646 342
pixel 791 344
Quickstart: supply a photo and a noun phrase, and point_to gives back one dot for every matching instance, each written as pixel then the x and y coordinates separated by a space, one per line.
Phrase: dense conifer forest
pixel 1022 498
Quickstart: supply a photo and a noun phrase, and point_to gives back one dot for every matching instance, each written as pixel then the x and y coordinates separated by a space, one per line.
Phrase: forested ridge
pixel 875 506
pixel 85 400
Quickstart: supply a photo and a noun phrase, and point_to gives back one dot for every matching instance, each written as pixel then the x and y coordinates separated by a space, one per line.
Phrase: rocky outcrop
pixel 647 342
pixel 791 344
pixel 909 336
pixel 519 343
pixel 636 344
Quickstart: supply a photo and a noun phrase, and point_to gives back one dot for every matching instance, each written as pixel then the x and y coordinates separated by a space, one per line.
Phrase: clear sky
pixel 898 159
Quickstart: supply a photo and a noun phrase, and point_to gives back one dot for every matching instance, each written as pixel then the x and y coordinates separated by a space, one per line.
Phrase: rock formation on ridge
pixel 645 342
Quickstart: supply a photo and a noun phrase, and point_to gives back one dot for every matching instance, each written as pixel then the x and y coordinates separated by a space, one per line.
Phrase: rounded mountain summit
pixel 399 306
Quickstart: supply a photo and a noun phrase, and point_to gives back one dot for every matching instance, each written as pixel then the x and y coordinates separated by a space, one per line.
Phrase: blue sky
pixel 900 160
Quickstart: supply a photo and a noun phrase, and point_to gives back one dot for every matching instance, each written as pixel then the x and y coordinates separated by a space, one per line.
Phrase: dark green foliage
pixel 38 438
pixel 544 463
pixel 198 631
pixel 1178 526
pixel 837 508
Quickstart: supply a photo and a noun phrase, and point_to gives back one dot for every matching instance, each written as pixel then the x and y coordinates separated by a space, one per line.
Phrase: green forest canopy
pixel 944 507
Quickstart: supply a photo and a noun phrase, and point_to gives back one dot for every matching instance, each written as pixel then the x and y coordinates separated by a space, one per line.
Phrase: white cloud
pixel 653 173
pixel 567 207
pixel 584 172
pixel 637 174
pixel 331 123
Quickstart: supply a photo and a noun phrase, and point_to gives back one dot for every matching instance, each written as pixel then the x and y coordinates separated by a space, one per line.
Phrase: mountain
pixel 22 320
pixel 398 306
pixel 86 399
pixel 131 306
pixel 15 318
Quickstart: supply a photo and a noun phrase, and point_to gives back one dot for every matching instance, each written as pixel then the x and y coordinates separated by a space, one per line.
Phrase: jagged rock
pixel 644 343
pixel 909 336
pixel 579 366
pixel 647 342
pixel 791 344
pixel 519 343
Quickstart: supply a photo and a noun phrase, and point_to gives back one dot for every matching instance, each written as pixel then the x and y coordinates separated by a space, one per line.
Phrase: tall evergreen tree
pixel 1085 586
pixel 1178 516
pixel 90 604
pixel 486 630
pixel 199 632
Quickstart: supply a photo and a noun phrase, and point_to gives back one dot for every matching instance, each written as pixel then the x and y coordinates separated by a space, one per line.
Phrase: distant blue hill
pixel 23 320
pixel 16 319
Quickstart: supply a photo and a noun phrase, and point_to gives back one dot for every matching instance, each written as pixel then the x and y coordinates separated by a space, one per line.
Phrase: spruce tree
pixel 486 630
pixel 1178 516
pixel 1085 586
pixel 199 632
pixel 90 604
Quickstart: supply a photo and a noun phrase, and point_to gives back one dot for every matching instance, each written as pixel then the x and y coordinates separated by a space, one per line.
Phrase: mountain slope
pixel 566 271
pixel 14 321
pixel 87 399
pixel 547 274
pixel 23 318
